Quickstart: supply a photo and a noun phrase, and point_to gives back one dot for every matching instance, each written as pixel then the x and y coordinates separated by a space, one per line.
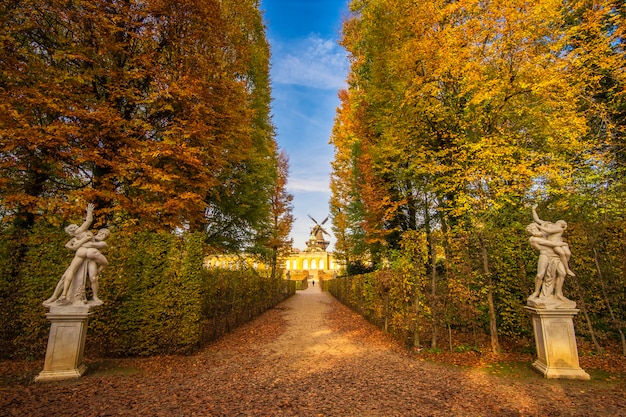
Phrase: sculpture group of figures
pixel 88 262
pixel 553 264
pixel 552 313
pixel 546 237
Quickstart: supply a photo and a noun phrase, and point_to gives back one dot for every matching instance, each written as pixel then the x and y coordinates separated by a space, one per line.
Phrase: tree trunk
pixel 432 260
pixel 447 248
pixel 416 329
pixel 493 327
pixel 614 319
pixel 386 312
pixel 103 214
pixel 433 289
pixel 583 308
pixel 274 262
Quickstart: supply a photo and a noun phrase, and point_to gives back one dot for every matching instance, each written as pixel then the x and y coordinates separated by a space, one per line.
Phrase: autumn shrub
pixel 599 287
pixel 378 296
pixel 166 302
pixel 302 285
pixel 234 297
pixel 32 263
pixel 403 302
pixel 9 248
pixel 152 292
pixel 158 296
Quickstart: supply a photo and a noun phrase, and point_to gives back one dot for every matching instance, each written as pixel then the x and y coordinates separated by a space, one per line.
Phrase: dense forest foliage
pixel 158 113
pixel 458 117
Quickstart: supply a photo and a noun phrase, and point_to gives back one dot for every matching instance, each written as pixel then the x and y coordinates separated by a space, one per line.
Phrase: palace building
pixel 314 261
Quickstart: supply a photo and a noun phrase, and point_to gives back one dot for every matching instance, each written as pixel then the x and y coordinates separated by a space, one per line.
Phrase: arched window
pixel 314 264
pixel 305 264
pixel 321 264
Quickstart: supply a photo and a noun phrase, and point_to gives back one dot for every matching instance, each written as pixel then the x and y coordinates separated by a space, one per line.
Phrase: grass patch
pixel 518 370
pixel 601 375
pixel 525 370
pixel 110 368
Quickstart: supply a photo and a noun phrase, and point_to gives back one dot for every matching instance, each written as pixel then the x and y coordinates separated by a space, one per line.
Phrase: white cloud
pixel 308 185
pixel 311 62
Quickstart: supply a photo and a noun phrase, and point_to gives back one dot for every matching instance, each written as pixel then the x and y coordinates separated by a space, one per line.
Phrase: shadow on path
pixel 309 356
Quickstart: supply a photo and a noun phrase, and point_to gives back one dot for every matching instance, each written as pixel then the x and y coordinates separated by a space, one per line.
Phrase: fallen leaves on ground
pixel 248 372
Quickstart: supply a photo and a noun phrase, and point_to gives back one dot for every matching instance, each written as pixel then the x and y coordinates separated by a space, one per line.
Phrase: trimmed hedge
pixel 383 298
pixel 158 296
pixel 401 301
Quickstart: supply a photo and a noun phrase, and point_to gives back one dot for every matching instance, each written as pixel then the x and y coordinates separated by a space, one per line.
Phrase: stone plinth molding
pixel 66 344
pixel 556 343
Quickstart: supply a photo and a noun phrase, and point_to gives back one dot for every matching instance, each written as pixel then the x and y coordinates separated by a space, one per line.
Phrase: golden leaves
pixel 469 100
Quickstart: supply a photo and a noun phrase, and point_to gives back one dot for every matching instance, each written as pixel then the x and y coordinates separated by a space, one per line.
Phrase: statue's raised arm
pixel 88 219
pixel 536 216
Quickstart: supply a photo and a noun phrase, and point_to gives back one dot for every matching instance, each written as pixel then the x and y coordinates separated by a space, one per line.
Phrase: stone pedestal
pixel 556 343
pixel 66 343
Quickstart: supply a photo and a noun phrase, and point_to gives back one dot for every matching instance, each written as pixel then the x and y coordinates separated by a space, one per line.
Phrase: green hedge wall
pixel 402 302
pixel 384 298
pixel 158 296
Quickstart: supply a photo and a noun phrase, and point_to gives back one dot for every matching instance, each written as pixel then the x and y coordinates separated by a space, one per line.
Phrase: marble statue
pixel 69 308
pixel 552 265
pixel 88 262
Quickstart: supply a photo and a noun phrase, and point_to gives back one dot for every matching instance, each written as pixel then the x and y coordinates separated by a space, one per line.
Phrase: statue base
pixel 551 303
pixel 66 343
pixel 556 343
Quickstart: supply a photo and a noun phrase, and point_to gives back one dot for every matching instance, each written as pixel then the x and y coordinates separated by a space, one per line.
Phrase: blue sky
pixel 308 69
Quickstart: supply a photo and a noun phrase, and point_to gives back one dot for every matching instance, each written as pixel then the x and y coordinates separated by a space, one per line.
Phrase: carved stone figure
pixel 88 262
pixel 553 263
pixel 69 307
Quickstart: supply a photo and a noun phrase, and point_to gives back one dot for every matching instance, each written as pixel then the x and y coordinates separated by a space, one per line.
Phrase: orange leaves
pixel 146 102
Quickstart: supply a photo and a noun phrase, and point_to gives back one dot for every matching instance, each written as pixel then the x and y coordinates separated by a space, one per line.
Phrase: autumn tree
pixel 346 202
pixel 596 42
pixel 239 213
pixel 465 111
pixel 156 111
pixel 276 238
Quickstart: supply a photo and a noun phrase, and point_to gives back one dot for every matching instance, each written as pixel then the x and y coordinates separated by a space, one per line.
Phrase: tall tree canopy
pixel 460 114
pixel 157 111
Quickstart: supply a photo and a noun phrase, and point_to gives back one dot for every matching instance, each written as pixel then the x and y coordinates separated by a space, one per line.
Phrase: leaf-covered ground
pixel 310 356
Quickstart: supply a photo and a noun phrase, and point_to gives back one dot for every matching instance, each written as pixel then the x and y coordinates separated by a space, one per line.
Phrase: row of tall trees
pixel 157 111
pixel 459 116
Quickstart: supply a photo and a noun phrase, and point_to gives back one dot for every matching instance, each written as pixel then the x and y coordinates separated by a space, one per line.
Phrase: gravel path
pixel 309 356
